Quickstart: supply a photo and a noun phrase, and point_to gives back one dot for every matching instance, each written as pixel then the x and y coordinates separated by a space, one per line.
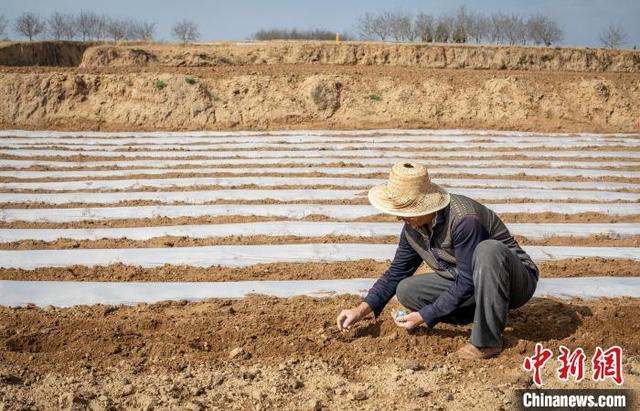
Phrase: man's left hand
pixel 409 321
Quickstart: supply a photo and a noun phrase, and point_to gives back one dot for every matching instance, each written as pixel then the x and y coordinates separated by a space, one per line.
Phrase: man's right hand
pixel 348 318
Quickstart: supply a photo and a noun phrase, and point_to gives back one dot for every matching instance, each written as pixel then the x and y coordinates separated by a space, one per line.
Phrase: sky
pixel 581 20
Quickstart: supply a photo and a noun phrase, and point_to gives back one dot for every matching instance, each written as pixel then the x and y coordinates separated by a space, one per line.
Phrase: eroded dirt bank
pixel 265 353
pixel 306 85
pixel 333 97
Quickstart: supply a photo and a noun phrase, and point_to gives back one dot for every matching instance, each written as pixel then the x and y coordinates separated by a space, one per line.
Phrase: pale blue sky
pixel 581 20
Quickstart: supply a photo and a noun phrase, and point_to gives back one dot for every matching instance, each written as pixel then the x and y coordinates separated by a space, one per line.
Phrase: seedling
pixel 159 84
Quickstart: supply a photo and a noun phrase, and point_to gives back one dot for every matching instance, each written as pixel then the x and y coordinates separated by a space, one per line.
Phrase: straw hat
pixel 409 192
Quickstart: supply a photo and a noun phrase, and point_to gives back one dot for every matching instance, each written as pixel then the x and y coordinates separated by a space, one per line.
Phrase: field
pixel 148 264
pixel 141 218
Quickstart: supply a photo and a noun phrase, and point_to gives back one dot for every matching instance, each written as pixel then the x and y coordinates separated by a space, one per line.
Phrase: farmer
pixel 480 271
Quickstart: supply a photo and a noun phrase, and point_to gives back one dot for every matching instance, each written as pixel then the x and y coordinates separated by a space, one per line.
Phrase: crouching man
pixel 480 271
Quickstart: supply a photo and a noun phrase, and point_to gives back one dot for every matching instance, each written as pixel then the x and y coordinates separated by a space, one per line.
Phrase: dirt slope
pixel 42 53
pixel 293 85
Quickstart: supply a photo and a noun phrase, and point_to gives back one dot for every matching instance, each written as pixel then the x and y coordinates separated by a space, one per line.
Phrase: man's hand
pixel 409 321
pixel 348 318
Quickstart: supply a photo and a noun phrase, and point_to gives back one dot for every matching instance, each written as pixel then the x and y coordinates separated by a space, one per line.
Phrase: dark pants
pixel 501 282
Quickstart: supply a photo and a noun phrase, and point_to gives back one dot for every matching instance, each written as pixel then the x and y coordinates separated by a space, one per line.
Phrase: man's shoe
pixel 471 352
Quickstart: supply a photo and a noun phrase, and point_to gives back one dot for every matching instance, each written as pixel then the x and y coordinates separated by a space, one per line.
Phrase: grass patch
pixel 159 84
pixel 190 80
pixel 375 97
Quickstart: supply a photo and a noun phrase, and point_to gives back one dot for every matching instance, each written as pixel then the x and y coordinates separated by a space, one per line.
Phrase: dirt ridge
pixel 436 56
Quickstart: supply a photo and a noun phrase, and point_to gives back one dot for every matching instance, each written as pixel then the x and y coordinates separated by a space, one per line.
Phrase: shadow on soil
pixel 544 319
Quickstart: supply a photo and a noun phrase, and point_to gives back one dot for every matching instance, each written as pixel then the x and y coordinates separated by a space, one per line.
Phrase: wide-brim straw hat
pixel 409 192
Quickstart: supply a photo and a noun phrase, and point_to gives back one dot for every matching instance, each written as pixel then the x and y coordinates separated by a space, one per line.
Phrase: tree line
pixel 89 26
pixel 461 26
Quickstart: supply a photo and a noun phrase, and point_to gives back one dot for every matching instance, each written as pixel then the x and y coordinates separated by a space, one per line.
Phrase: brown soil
pixel 284 164
pixel 151 188
pixel 293 148
pixel 170 174
pixel 174 241
pixel 132 203
pixel 582 267
pixel 287 354
pixel 83 158
pixel 591 241
pixel 138 55
pixel 538 217
pixel 285 96
pixel 209 188
pixel 164 221
pixel 43 53
pixel 355 53
pixel 567 218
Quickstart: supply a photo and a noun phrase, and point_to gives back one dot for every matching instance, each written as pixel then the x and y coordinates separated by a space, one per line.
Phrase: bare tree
pixel 366 26
pixel 61 26
pixel 30 25
pixel 515 29
pixel 478 28
pixel 116 29
pixel 4 23
pixel 460 25
pixel 186 31
pixel 613 37
pixel 376 26
pixel 90 26
pixel 84 24
pixel 100 28
pixel 443 29
pixel 543 30
pixel 424 27
pixel 400 26
pixel 143 30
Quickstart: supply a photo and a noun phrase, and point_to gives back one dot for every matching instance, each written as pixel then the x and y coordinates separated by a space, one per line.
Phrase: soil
pixel 132 203
pixel 363 147
pixel 305 95
pixel 164 221
pixel 170 174
pixel 581 267
pixel 265 353
pixel 180 168
pixel 501 156
pixel 183 241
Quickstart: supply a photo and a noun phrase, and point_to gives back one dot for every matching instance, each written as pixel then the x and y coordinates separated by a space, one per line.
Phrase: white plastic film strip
pixel 492 172
pixel 324 153
pixel 199 197
pixel 72 293
pixel 247 255
pixel 302 181
pixel 365 162
pixel 297 229
pixel 290 211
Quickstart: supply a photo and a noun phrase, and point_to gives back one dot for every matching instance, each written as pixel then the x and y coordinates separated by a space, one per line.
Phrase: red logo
pixel 605 364
pixel 537 361
pixel 571 364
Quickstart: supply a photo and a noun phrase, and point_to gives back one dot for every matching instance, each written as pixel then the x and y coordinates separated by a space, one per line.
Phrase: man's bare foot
pixel 471 352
